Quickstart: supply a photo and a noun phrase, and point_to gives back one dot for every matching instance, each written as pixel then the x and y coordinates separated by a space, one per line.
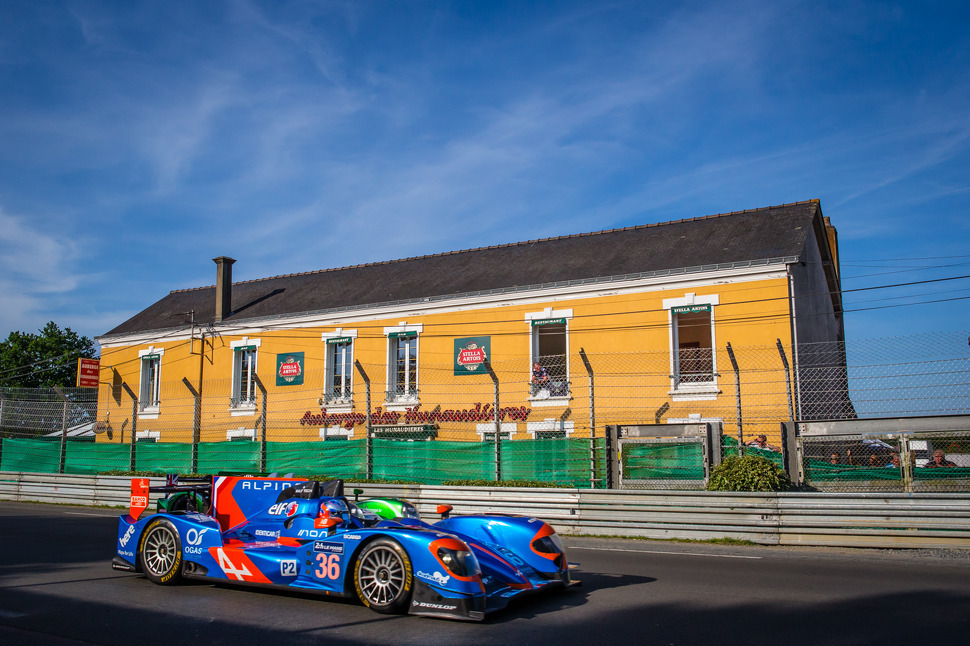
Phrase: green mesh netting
pixel 666 461
pixel 91 458
pixel 163 457
pixel 39 456
pixel 334 459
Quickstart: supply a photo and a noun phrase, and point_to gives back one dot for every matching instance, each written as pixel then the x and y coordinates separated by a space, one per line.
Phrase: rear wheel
pixel 160 551
pixel 383 577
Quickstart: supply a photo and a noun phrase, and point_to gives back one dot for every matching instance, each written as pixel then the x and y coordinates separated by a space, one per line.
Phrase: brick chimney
pixel 223 286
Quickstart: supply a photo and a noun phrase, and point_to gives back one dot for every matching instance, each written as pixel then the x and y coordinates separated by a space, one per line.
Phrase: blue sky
pixel 139 140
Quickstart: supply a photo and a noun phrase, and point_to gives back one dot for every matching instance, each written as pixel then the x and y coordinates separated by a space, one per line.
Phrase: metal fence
pixel 890 520
pixel 493 424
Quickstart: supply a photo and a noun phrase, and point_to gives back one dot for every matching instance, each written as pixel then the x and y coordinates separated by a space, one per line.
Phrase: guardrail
pixel 846 520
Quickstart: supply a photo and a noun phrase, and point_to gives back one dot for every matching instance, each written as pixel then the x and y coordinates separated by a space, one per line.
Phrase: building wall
pixel 611 322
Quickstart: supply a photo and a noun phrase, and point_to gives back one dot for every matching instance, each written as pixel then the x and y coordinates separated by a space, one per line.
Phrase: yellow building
pixel 627 326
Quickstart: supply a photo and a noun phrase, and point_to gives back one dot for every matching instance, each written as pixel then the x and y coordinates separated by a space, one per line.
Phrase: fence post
pixel 592 420
pixel 134 424
pixel 498 422
pixel 737 389
pixel 63 457
pixel 261 423
pixel 369 445
pixel 196 424
pixel 787 439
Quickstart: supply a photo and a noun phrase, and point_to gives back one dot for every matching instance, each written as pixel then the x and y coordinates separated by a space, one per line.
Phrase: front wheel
pixel 160 552
pixel 383 577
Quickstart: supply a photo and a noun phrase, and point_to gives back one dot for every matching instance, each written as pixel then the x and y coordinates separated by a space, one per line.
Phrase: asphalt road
pixel 57 587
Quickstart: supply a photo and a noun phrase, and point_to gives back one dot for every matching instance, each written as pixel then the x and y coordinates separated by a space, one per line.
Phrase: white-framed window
pixel 336 432
pixel 236 434
pixel 244 353
pixel 486 430
pixel 149 387
pixel 693 361
pixel 550 429
pixel 549 355
pixel 402 363
pixel 338 379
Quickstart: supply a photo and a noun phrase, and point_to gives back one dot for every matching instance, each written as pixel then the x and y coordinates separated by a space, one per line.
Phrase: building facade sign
pixel 471 353
pixel 289 369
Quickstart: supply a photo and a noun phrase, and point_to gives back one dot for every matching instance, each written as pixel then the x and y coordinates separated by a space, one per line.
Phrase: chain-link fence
pixel 499 422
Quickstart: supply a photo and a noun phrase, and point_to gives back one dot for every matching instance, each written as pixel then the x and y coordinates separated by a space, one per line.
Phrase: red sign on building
pixel 88 373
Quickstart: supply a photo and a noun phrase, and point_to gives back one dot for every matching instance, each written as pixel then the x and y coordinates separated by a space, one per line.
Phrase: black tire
pixel 383 577
pixel 160 553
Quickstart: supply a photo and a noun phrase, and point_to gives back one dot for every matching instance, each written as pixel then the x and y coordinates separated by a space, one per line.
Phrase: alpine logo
pixel 230 568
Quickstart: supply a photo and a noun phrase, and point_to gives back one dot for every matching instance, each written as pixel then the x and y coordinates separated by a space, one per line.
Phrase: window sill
pixel 558 400
pixel 698 392
pixel 243 410
pixel 148 413
pixel 338 406
pixel 401 405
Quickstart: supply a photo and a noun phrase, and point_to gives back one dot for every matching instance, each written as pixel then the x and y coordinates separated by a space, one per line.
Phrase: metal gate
pixel 663 456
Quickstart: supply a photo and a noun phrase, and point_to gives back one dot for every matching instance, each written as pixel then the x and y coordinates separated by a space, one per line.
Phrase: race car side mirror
pixel 357 493
pixel 444 510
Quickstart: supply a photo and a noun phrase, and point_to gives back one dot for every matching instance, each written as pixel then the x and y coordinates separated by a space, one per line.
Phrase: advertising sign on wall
pixel 289 369
pixel 470 353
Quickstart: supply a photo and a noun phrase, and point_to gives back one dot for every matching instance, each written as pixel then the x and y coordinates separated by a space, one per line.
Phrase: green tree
pixel 42 360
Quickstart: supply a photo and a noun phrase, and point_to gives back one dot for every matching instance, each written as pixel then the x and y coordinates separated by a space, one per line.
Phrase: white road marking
pixel 615 549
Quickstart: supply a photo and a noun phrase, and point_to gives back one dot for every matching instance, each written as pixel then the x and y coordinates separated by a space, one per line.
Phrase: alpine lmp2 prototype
pixel 306 535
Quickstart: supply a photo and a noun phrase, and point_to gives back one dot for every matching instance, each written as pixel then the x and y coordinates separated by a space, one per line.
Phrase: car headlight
pixel 456 557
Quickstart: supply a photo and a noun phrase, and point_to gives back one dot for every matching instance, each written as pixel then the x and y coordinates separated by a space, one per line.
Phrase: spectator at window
pixel 939 461
pixel 540 378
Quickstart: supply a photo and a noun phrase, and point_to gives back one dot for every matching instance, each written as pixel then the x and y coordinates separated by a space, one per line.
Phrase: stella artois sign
pixel 471 353
pixel 289 369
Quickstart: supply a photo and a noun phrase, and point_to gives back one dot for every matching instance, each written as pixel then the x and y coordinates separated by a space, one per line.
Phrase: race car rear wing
pixel 140 488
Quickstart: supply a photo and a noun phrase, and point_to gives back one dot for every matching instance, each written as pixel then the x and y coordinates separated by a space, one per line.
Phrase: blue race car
pixel 306 535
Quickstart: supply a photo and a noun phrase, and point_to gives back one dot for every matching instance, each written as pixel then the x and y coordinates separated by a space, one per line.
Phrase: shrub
pixel 748 473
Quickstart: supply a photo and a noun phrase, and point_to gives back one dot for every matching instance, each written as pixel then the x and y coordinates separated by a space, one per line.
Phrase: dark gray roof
pixel 776 232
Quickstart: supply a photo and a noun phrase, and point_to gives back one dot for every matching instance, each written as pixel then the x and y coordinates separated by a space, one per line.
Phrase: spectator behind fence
pixel 939 461
pixel 761 442
pixel 834 458
pixel 894 461
pixel 540 378
pixel 874 460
